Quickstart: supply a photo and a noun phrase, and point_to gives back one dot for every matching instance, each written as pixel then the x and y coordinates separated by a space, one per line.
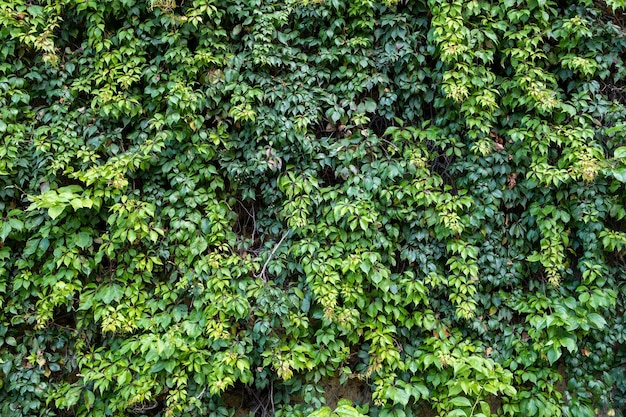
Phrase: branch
pixel 280 242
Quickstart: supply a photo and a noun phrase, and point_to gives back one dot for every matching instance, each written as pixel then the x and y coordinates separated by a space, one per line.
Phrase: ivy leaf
pixel 370 106
pixel 55 211
pixel 306 304
pixel 170 365
pixel 322 412
pixel 5 229
pixel 570 343
pixel 112 292
pixel 620 174
pixel 347 411
pixel 620 152
pixel 399 395
pixel 124 378
pixel 457 413
pixel 554 354
pixel 83 240
pixel 460 402
pixel 152 354
pixel 419 391
pixel 6 367
pixel 90 398
pixel 597 320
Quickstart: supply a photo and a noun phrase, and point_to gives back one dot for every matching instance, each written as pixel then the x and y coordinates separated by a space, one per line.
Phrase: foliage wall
pixel 207 197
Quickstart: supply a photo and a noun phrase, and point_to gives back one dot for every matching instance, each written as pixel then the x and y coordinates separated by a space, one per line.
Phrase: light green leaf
pixel 124 378
pixel 112 292
pixel 620 152
pixel 570 343
pixel 55 211
pixel 457 413
pixel 322 412
pixel 348 411
pixel 419 391
pixel 460 402
pixel 76 203
pixel 170 365
pixel 5 229
pixel 83 240
pixel 151 355
pixel 90 398
pixel 399 396
pixel 620 174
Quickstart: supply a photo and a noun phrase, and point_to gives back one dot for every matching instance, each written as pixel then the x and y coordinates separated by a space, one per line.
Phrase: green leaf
pixel 620 174
pixel 153 354
pixel 553 354
pixel 170 365
pixel 55 211
pixel 5 229
pixel 6 367
pixel 322 412
pixel 347 411
pixel 569 342
pixel 76 203
pixel 83 240
pixel 112 292
pixel 420 391
pixel 399 395
pixel 124 378
pixel 457 413
pixel 157 367
pixel 89 398
pixel 597 320
pixel 370 106
pixel 460 402
pixel 168 350
pixel 620 152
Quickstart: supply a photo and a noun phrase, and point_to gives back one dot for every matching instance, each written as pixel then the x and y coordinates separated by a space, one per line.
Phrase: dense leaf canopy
pixel 203 200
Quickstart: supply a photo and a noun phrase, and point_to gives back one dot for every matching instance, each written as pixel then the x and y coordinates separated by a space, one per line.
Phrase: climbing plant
pixel 219 208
